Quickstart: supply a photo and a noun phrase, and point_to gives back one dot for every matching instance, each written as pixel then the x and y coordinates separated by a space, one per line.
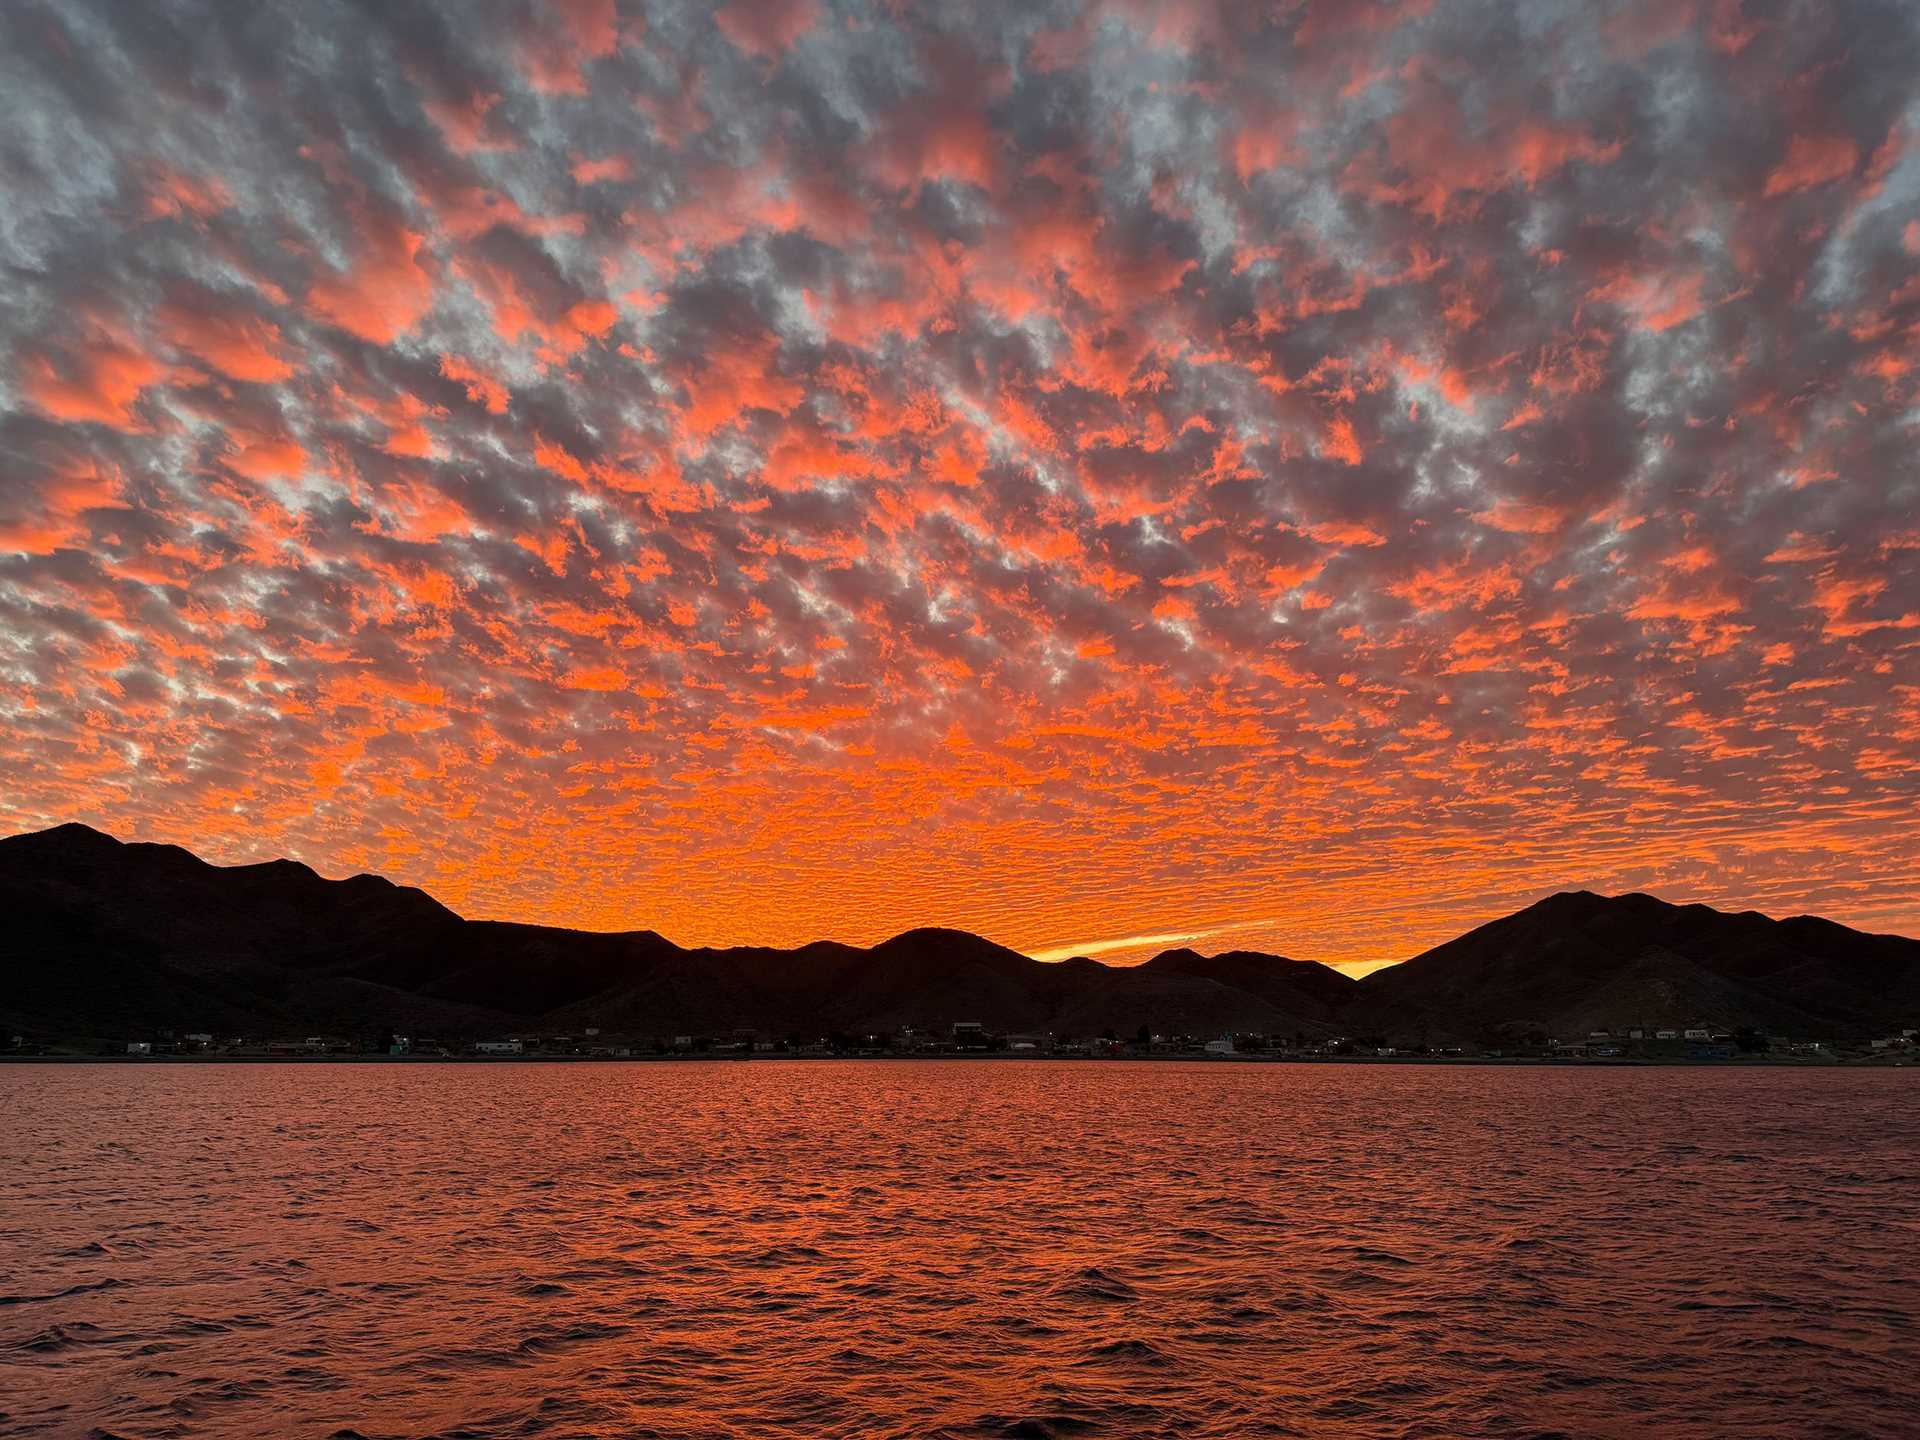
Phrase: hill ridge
pixel 108 937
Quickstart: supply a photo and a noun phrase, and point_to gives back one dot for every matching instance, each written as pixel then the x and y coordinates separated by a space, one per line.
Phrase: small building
pixel 500 1047
pixel 1222 1046
pixel 1666 1034
pixel 1698 1032
pixel 139 1047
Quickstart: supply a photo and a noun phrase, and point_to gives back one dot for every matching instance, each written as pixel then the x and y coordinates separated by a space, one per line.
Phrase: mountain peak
pixel 1182 955
pixel 941 937
pixel 71 834
pixel 105 937
pixel 1577 960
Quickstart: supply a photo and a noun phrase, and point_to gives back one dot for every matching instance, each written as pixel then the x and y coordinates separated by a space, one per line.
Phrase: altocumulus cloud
pixel 807 468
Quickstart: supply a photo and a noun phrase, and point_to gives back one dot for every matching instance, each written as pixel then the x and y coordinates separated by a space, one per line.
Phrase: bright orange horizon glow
pixel 1105 477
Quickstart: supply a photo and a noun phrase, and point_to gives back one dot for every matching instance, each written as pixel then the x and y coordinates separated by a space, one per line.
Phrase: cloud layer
pixel 1326 472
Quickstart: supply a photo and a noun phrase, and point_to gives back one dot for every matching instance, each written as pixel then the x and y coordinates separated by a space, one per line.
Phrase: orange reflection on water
pixel 953 1249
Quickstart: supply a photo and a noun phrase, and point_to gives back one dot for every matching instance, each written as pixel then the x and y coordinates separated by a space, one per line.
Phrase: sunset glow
pixel 1305 478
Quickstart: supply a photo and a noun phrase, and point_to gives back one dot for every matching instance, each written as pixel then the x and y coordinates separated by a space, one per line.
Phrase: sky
pixel 1308 477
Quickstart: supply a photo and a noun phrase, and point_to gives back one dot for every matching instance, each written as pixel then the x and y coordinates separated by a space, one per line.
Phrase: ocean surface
pixel 957 1249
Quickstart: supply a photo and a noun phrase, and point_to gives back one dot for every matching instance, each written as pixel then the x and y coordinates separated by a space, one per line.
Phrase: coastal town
pixel 1700 1043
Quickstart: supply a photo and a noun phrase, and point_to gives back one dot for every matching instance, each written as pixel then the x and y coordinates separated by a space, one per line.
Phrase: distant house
pixel 500 1047
pixel 1222 1046
pixel 139 1047
pixel 1698 1032
pixel 1666 1034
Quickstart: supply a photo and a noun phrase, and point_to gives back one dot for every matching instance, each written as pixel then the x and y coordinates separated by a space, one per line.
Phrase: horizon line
pixel 1045 954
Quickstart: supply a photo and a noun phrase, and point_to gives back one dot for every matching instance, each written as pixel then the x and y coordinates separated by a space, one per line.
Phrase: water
pixel 957 1249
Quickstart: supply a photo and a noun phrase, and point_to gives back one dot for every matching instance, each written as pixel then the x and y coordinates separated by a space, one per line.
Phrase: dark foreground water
pixel 957 1249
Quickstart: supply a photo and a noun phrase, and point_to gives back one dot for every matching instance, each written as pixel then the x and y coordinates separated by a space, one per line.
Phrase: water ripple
pixel 957 1250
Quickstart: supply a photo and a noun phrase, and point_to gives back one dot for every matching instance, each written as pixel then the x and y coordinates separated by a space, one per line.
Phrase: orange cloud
pixel 239 344
pixel 1338 441
pixel 96 382
pixel 830 469
pixel 1812 160
pixel 766 27
pixel 385 293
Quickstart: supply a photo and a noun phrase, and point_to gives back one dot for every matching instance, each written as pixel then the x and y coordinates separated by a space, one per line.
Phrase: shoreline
pixel 1533 1061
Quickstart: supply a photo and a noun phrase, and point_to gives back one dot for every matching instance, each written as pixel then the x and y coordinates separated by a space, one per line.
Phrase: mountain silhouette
pixel 106 939
pixel 1576 962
